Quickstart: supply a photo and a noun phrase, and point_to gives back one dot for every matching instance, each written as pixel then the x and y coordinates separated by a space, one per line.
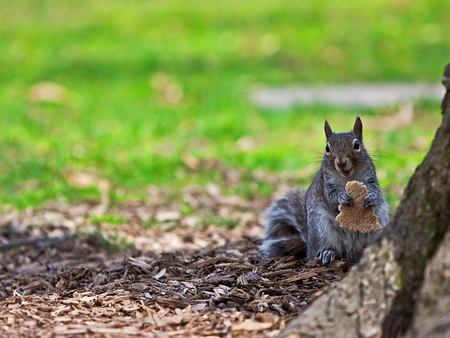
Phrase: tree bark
pixel 401 286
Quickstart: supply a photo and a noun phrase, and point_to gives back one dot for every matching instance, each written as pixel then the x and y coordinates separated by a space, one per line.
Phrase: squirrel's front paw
pixel 369 201
pixel 327 256
pixel 345 199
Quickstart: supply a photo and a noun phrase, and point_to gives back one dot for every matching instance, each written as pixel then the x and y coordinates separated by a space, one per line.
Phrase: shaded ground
pixel 180 279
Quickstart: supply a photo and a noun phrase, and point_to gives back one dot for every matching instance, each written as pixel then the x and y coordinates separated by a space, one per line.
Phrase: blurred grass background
pixel 137 93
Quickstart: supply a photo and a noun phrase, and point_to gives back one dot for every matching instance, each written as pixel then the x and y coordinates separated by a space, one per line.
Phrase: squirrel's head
pixel 345 150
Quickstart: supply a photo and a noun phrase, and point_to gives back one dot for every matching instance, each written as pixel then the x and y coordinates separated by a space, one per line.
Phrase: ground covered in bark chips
pixel 176 274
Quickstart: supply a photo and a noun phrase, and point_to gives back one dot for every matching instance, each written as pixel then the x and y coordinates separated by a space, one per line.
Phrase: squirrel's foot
pixel 345 199
pixel 327 256
pixel 369 201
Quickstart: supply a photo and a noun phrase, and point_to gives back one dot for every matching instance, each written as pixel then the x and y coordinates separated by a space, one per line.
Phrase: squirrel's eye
pixel 356 145
pixel 327 149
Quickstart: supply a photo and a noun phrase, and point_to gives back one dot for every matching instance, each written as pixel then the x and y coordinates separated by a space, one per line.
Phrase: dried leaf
pixel 169 215
pixel 48 92
pixel 160 274
pixel 250 325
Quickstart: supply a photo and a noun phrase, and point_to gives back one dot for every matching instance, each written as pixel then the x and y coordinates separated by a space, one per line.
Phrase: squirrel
pixel 303 224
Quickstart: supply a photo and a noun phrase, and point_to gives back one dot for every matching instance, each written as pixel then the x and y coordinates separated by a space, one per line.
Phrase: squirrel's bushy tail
pixel 286 232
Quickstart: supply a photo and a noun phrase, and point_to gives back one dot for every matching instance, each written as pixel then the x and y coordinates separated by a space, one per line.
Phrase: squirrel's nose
pixel 341 163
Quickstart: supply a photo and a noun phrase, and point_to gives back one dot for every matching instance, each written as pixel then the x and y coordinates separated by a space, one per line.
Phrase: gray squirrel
pixel 303 223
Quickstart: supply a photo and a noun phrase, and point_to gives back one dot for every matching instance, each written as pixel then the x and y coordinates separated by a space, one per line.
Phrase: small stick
pixel 37 240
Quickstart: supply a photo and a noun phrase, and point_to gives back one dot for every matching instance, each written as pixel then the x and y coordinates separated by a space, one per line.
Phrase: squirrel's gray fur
pixel 304 225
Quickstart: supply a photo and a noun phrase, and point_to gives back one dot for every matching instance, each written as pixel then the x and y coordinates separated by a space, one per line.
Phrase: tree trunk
pixel 401 286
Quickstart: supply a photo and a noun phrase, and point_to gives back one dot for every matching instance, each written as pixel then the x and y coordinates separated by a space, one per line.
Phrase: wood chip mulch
pixel 59 276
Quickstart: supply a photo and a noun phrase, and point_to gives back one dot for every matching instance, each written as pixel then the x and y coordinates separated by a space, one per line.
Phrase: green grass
pixel 148 82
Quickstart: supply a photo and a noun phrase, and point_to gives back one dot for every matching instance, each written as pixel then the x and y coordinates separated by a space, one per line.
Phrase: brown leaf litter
pixel 181 278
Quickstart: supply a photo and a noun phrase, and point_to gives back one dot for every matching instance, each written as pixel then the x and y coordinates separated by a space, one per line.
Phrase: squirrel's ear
pixel 357 128
pixel 328 130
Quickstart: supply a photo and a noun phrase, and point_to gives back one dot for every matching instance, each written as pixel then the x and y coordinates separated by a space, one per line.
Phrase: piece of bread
pixel 356 217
